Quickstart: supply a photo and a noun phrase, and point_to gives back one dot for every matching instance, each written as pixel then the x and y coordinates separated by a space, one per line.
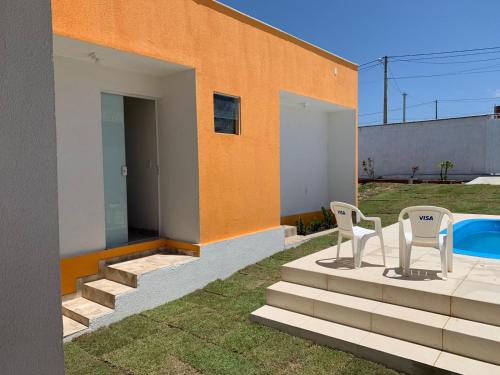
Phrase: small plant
pixel 301 227
pixel 327 218
pixel 445 165
pixel 369 168
pixel 414 171
pixel 315 226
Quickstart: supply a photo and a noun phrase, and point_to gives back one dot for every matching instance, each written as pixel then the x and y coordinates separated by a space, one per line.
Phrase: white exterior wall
pixel 342 177
pixel 178 140
pixel 78 87
pixel 493 146
pixel 30 307
pixel 472 144
pixel 318 152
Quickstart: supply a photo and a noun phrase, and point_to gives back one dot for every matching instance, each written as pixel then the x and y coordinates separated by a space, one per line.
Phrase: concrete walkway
pixel 493 180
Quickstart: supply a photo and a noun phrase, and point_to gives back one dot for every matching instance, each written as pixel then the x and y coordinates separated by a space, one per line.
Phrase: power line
pixel 447 74
pixel 440 53
pixel 432 102
pixel 447 52
pixel 469 100
pixel 446 57
pixel 393 80
pixel 369 62
pixel 396 109
pixel 444 62
pixel 369 67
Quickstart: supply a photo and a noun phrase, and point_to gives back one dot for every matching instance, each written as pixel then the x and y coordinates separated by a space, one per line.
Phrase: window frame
pixel 238 123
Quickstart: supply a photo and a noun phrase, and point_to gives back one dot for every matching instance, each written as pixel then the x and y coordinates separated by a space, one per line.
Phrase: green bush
pixel 315 226
pixel 301 227
pixel 327 218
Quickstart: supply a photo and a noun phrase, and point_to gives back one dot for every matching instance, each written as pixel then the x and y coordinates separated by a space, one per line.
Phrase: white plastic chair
pixel 425 222
pixel 357 235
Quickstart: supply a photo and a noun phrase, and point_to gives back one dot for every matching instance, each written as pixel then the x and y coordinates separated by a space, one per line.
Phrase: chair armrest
pixel 376 221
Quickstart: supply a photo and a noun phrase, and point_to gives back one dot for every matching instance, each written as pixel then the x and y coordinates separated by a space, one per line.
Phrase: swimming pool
pixel 477 237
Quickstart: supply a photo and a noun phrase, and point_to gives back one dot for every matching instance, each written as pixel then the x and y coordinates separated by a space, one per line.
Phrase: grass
pixel 208 331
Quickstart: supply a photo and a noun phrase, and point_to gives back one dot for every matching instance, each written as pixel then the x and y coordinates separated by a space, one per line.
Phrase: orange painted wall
pixel 233 54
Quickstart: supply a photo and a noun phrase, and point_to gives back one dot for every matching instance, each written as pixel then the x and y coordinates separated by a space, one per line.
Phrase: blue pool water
pixel 477 237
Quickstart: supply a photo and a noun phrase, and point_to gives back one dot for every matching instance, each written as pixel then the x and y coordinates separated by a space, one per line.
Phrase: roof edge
pixel 231 12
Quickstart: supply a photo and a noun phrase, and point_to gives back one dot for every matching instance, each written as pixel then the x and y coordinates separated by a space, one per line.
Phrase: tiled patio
pixel 415 323
pixel 473 278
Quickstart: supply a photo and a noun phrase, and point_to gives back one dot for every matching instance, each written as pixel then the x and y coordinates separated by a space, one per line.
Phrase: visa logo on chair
pixel 340 212
pixel 426 218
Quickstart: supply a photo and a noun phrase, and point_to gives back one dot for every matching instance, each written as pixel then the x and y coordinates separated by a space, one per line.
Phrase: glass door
pixel 115 169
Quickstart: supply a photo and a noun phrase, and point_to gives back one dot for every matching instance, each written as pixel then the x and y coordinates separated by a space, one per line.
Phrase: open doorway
pixel 142 168
pixel 130 169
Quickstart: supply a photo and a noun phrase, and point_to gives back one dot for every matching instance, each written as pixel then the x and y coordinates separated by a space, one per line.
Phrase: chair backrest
pixel 425 222
pixel 343 215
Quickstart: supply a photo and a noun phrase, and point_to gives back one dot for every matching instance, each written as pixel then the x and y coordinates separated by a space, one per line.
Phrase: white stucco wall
pixel 342 177
pixel 78 87
pixel 317 158
pixel 493 146
pixel 178 147
pixel 471 143
pixel 30 307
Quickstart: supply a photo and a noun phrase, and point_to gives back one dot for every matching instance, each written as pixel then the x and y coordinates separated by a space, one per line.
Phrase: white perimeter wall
pixel 471 143
pixel 78 87
pixel 317 158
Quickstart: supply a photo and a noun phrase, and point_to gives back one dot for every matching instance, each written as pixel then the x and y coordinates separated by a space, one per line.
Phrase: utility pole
pixel 385 88
pixel 436 109
pixel 404 106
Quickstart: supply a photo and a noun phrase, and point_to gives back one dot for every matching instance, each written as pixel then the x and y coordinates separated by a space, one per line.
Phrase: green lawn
pixel 209 331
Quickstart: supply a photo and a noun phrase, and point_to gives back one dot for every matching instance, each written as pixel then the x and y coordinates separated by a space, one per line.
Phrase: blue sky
pixel 363 30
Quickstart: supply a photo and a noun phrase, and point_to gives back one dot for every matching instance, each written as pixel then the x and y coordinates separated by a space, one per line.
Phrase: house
pixel 184 124
pixel 471 143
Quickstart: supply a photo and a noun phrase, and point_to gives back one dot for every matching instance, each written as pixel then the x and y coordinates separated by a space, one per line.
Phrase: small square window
pixel 226 114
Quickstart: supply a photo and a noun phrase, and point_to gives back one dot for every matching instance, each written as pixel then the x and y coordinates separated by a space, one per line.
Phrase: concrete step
pixel 290 230
pixel 71 326
pixel 459 336
pixel 83 310
pixel 401 355
pixel 130 271
pixel 104 291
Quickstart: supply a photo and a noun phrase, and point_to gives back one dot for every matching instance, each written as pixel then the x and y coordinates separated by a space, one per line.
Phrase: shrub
pixel 301 227
pixel 369 168
pixel 414 171
pixel 445 165
pixel 327 218
pixel 315 226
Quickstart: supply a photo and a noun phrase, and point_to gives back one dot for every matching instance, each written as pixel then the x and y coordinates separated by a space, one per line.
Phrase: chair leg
pixel 354 252
pixel 402 253
pixel 407 260
pixel 361 248
pixel 449 255
pixel 444 262
pixel 339 242
pixel 382 246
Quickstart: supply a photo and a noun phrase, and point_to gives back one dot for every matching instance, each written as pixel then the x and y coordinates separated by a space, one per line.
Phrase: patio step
pixel 442 332
pixel 104 291
pixel 129 272
pixel 290 230
pixel 83 310
pixel 399 354
pixel 99 298
pixel 71 326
